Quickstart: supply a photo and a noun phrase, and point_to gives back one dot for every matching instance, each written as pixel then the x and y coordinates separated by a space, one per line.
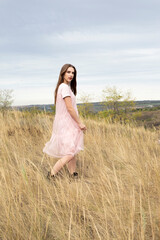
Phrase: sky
pixel 110 42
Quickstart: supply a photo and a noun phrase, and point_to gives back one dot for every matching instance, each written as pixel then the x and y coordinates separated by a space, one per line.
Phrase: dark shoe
pixel 74 175
pixel 49 176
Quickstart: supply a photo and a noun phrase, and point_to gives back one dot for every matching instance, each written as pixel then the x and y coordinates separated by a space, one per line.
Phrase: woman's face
pixel 68 76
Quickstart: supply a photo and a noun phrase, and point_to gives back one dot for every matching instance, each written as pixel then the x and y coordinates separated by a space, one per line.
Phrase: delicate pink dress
pixel 67 137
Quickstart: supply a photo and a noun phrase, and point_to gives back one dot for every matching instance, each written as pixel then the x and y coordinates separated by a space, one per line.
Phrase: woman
pixel 67 134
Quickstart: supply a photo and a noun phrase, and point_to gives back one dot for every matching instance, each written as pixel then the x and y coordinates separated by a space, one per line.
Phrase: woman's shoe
pixel 74 175
pixel 49 176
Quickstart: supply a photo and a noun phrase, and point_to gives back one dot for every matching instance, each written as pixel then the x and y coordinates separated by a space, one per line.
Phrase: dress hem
pixel 60 156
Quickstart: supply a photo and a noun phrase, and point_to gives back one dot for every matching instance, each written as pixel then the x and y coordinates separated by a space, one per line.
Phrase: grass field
pixel 117 194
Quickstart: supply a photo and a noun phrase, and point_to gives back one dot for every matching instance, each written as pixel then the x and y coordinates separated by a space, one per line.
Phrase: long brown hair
pixel 73 83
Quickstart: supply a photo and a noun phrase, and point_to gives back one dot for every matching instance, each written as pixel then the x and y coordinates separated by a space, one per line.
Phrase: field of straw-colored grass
pixel 117 194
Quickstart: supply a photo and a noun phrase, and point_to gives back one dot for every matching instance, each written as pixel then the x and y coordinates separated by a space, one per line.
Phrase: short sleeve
pixel 65 91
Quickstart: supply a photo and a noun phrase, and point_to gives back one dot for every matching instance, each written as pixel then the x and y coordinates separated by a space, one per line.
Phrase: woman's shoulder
pixel 63 85
pixel 63 89
pixel 60 86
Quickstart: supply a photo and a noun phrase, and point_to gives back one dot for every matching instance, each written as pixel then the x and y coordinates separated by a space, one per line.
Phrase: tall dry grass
pixel 117 195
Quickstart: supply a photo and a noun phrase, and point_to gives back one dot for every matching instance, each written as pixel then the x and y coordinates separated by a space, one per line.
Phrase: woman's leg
pixel 60 163
pixel 71 165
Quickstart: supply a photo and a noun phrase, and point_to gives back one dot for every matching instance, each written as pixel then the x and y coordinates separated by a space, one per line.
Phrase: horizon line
pixel 77 103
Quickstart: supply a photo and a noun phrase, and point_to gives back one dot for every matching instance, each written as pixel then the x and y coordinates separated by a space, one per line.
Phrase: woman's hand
pixel 82 126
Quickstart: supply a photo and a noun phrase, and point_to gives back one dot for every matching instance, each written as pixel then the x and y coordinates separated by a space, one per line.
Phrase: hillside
pixel 117 195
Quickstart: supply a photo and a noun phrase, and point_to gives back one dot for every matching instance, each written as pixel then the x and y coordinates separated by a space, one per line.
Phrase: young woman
pixel 67 134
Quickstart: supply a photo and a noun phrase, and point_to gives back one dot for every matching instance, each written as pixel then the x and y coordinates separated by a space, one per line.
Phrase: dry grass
pixel 116 197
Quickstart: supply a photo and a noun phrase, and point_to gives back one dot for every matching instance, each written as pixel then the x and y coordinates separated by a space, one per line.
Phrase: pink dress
pixel 67 137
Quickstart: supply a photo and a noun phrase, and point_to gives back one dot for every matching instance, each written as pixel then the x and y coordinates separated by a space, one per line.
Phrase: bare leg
pixel 71 165
pixel 60 163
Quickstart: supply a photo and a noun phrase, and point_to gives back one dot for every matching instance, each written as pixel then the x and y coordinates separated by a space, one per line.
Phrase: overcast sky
pixel 110 42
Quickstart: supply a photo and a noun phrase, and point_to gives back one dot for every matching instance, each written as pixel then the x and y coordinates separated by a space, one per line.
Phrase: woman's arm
pixel 73 113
